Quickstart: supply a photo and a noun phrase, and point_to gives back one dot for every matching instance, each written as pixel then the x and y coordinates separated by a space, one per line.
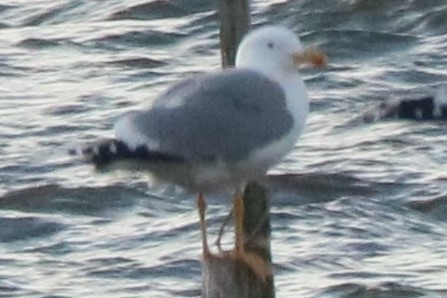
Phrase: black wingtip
pixel 418 109
pixel 105 152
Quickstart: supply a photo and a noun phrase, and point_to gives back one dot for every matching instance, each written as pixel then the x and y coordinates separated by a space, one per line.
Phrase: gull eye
pixel 271 45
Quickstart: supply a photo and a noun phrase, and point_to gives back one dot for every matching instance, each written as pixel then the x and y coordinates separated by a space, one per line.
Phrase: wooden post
pixel 225 276
pixel 235 21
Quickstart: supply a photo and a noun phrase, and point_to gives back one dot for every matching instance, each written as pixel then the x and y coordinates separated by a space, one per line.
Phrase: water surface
pixel 365 215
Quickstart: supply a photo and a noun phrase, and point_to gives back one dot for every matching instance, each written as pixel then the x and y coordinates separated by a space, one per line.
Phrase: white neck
pixel 297 98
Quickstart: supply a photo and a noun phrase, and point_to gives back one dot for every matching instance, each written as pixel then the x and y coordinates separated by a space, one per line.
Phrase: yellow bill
pixel 310 56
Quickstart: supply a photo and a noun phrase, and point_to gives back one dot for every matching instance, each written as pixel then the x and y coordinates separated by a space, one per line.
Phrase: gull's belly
pixel 222 175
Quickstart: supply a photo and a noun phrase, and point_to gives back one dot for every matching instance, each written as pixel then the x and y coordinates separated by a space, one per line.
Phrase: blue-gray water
pixel 365 217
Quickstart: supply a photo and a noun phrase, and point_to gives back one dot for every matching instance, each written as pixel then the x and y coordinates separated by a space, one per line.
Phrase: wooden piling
pixel 227 277
pixel 224 275
pixel 234 16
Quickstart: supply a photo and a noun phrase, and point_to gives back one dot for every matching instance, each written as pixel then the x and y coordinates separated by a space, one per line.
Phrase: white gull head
pixel 275 49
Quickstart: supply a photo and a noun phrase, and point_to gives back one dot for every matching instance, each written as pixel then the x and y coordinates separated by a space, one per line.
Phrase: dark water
pixel 366 215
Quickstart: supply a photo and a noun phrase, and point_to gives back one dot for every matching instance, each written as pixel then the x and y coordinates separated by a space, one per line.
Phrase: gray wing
pixel 223 116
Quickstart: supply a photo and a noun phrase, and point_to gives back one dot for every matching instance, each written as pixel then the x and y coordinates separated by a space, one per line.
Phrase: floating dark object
pixel 425 108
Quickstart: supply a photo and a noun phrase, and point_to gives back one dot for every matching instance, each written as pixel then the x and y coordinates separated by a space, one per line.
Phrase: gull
pixel 219 130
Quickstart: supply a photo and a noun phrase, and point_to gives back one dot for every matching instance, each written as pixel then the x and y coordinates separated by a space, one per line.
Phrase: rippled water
pixel 364 216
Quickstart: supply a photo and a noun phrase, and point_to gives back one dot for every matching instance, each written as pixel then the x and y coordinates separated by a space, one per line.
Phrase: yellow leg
pixel 238 211
pixel 201 205
pixel 251 260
